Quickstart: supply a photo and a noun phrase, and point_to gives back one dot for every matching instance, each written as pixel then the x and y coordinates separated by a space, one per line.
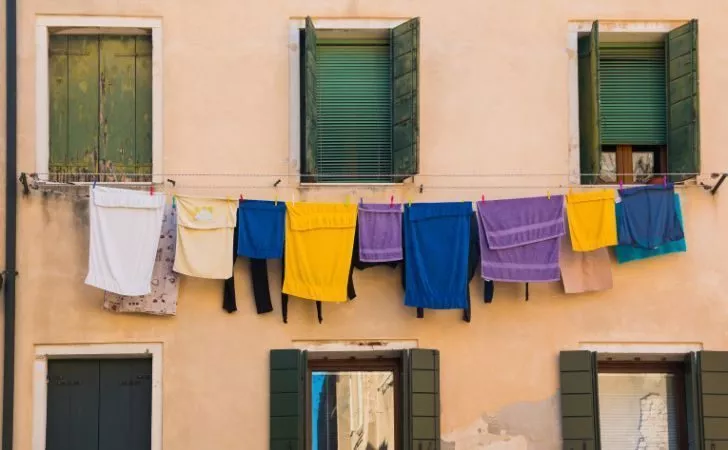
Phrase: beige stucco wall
pixel 494 99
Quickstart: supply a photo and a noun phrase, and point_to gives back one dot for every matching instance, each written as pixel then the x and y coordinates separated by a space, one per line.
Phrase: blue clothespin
pixel 94 186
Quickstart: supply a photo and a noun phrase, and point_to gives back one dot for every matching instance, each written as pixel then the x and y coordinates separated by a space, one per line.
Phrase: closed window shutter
pixel 589 133
pixel 354 94
pixel 579 400
pixel 632 93
pixel 405 43
pixel 310 98
pixel 683 119
pixel 420 411
pixel 287 399
pixel 709 380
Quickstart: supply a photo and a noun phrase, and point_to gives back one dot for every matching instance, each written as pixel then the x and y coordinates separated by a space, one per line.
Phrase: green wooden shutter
pixel 74 106
pixel 125 108
pixel 709 379
pixel 632 93
pixel 579 400
pixel 590 152
pixel 287 399
pixel 310 107
pixel 73 405
pixel 420 412
pixel 692 401
pixel 405 47
pixel 125 404
pixel 354 111
pixel 683 138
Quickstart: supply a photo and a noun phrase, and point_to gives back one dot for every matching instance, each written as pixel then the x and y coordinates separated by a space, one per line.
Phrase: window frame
pixel 103 25
pixel 295 134
pixel 575 30
pixel 356 364
pixel 675 368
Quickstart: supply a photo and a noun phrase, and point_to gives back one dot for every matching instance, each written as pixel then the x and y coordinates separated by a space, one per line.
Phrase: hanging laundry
pixel 436 246
pixel 262 227
pixel 229 301
pixel 648 218
pixel 519 238
pixel 205 232
pixel 318 250
pixel 165 283
pixel 125 227
pixel 627 253
pixel 584 271
pixel 380 232
pixel 592 220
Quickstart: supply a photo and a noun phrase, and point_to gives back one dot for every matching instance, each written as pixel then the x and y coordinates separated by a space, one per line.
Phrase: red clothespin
pixel 391 201
pixel 151 189
pixel 482 198
pixel 241 197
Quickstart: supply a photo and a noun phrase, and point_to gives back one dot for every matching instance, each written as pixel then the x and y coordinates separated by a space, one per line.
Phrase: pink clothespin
pixel 620 186
pixel 241 197
pixel 664 181
pixel 391 201
pixel 151 189
pixel 482 198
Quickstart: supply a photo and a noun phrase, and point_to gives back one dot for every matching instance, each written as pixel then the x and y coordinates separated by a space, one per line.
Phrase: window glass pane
pixel 643 166
pixel 608 167
pixel 638 411
pixel 352 410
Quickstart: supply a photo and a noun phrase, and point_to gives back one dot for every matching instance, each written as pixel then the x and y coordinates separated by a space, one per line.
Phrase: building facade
pixel 452 102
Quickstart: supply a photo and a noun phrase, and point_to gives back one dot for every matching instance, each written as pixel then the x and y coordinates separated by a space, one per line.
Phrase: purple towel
pixel 519 238
pixel 380 232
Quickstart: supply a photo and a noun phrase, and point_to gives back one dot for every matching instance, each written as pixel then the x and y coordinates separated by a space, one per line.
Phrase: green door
pixel 99 404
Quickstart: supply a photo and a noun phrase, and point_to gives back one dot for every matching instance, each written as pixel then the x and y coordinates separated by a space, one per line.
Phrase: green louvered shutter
pixel 310 99
pixel 420 411
pixel 405 49
pixel 710 380
pixel 589 142
pixel 632 93
pixel 683 141
pixel 354 113
pixel 287 399
pixel 579 400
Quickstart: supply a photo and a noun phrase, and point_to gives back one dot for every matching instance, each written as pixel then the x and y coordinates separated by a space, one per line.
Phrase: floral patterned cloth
pixel 165 282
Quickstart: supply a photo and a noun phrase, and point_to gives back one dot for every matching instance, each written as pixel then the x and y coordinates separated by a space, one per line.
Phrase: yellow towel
pixel 205 230
pixel 319 243
pixel 592 220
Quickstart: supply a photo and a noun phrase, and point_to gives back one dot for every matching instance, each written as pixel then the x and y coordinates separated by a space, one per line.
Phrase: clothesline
pixel 349 175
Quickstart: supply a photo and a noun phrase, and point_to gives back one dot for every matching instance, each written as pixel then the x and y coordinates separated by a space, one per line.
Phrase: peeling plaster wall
pixel 494 99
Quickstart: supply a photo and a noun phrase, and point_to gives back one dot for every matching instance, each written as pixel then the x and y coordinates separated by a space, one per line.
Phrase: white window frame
pixel 294 81
pixel 42 94
pixel 93 351
pixel 605 26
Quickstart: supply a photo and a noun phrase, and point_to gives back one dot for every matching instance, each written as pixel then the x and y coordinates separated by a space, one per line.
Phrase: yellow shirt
pixel 205 230
pixel 592 220
pixel 319 244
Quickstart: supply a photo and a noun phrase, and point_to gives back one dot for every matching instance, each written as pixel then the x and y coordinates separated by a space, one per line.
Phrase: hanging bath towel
pixel 125 227
pixel 437 237
pixel 165 283
pixel 205 237
pixel 584 271
pixel 380 232
pixel 318 249
pixel 627 253
pixel 592 220
pixel 261 229
pixel 648 218
pixel 519 238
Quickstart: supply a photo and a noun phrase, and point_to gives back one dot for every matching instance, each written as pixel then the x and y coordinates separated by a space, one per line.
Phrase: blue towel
pixel 626 253
pixel 436 239
pixel 648 218
pixel 261 226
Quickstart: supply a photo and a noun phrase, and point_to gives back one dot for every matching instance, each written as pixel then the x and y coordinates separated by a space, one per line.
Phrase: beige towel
pixel 584 271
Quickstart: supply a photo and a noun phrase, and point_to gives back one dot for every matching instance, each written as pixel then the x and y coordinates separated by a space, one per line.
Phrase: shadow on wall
pixel 520 426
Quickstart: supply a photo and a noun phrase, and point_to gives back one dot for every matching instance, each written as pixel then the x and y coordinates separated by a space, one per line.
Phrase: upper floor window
pixel 638 105
pixel 100 105
pixel 359 103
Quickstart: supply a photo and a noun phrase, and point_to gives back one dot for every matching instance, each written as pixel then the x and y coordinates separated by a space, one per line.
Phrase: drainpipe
pixel 11 207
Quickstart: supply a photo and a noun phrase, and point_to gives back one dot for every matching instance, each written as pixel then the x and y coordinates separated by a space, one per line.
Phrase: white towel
pixel 125 227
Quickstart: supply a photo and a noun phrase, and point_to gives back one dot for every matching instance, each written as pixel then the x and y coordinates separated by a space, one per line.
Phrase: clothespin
pixel 548 194
pixel 482 198
pixel 174 202
pixel 94 186
pixel 275 199
pixel 151 189
pixel 391 201
pixel 241 197
pixel 621 184
pixel 361 201
pixel 664 181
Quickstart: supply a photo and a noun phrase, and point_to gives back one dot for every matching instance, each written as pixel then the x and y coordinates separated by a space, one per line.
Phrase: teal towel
pixel 627 253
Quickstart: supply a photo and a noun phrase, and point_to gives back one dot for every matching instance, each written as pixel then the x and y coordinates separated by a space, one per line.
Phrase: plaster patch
pixel 520 426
